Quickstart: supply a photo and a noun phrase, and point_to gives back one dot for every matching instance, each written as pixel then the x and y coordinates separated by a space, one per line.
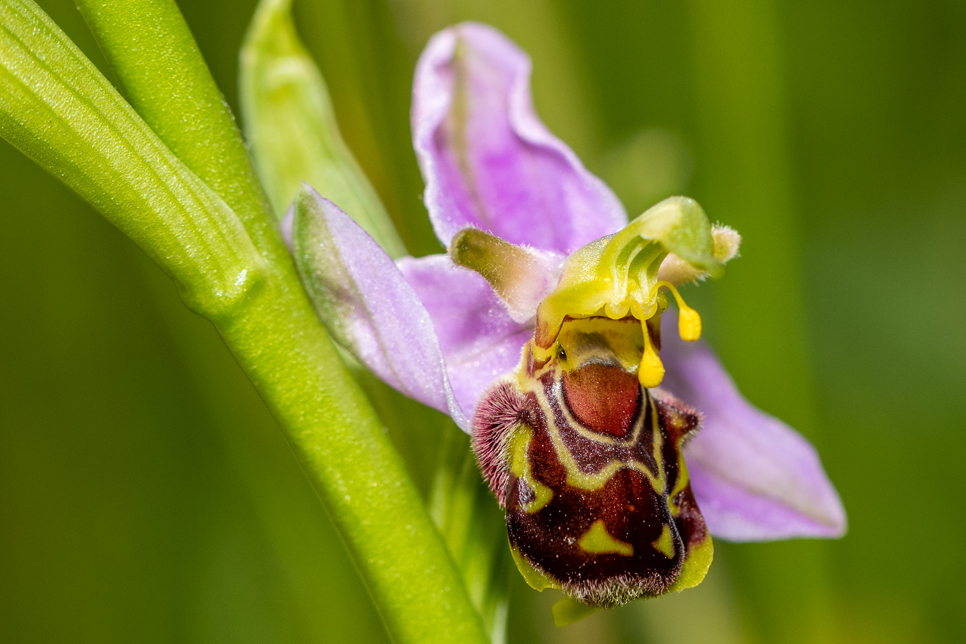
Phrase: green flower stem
pixel 291 125
pixel 58 109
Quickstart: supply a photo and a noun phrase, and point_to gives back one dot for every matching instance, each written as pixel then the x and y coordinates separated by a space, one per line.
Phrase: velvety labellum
pixel 588 467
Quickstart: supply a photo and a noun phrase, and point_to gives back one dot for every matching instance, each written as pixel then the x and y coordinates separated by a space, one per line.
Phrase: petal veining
pixel 488 160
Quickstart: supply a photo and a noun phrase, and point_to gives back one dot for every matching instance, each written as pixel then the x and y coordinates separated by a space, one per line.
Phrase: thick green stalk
pixel 61 112
pixel 357 473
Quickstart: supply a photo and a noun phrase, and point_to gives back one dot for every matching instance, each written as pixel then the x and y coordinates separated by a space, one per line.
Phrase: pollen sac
pixel 588 466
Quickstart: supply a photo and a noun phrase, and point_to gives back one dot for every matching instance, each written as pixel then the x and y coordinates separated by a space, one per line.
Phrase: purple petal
pixel 754 477
pixel 479 340
pixel 367 304
pixel 488 160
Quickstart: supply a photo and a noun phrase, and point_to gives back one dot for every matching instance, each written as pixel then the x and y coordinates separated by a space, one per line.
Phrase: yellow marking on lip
pixel 535 578
pixel 592 482
pixel 679 485
pixel 664 544
pixel 520 467
pixel 598 541
pixel 696 565
pixel 657 445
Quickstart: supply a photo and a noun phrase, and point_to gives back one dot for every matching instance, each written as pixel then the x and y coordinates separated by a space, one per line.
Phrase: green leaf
pixel 291 126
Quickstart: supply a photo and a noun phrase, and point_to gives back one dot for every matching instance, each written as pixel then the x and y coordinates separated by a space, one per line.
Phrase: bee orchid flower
pixel 616 449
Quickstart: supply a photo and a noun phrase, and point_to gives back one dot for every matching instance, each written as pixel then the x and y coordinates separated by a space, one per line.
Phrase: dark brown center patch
pixel 604 398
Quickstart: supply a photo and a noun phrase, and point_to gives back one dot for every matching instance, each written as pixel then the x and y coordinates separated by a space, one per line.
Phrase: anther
pixel 689 322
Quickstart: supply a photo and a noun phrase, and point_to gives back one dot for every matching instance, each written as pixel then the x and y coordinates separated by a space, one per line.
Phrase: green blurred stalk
pixel 745 180
pixel 57 109
pixel 473 527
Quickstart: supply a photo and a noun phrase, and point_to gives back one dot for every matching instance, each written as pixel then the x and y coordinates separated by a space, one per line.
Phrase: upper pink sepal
pixel 488 160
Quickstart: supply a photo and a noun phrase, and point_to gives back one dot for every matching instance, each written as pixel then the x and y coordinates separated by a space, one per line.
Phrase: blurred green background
pixel 146 495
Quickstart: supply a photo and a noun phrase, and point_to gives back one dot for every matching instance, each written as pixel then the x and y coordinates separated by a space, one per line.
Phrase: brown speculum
pixel 588 466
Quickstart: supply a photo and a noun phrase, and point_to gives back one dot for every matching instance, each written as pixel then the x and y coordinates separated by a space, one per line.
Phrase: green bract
pixel 292 129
